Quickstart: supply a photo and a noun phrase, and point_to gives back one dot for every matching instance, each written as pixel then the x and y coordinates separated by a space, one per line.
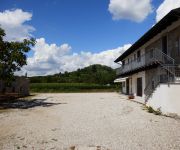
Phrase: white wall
pixel 124 88
pixel 166 97
pixel 134 85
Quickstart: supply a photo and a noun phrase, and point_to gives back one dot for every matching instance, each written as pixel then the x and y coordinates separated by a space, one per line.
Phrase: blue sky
pixel 84 25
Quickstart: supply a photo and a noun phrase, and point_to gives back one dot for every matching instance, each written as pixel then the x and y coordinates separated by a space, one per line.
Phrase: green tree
pixel 12 56
pixel 97 74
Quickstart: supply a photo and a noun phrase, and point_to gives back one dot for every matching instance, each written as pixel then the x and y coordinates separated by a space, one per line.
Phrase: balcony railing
pixel 149 58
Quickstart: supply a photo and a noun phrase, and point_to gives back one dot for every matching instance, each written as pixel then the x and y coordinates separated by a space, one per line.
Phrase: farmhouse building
pixel 150 68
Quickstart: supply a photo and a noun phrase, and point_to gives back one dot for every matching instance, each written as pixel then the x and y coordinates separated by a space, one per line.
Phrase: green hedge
pixel 70 87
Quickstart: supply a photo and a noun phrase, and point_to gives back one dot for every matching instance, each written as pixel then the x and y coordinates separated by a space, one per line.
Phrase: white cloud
pixel 13 22
pixel 134 10
pixel 50 58
pixel 46 58
pixel 166 7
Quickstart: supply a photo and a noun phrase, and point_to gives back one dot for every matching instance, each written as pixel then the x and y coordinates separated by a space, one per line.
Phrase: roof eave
pixel 171 17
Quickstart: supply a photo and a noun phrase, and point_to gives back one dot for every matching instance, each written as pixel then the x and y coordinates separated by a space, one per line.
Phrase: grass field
pixel 71 87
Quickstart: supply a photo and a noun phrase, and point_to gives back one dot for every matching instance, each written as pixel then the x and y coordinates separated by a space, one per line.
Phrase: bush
pixel 151 110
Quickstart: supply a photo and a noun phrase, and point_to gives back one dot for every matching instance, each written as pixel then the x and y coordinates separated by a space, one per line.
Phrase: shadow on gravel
pixel 25 104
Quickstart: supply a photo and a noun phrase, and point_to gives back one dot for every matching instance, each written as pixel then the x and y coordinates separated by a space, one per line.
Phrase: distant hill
pixel 98 74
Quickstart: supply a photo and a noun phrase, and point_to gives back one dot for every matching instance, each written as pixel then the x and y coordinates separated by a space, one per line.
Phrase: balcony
pixel 152 57
pixel 133 65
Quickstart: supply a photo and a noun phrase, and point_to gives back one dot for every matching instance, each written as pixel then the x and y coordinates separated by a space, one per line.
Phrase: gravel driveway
pixel 84 121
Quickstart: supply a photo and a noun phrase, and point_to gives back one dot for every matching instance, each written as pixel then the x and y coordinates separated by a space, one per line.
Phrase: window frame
pixel 139 56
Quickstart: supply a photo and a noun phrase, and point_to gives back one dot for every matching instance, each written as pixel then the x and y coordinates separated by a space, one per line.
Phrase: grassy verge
pixel 71 87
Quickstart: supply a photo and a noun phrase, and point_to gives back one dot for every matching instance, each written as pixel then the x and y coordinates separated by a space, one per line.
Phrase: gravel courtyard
pixel 84 121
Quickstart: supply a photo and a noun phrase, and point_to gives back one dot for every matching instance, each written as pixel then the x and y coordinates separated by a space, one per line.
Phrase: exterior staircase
pixel 173 73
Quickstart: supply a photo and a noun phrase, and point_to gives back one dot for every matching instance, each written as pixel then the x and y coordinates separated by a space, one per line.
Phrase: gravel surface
pixel 84 121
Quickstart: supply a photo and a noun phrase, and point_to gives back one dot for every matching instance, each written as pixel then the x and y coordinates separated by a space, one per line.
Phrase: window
pixel 163 78
pixel 139 56
pixel 152 84
pixel 177 46
pixel 134 57
pixel 123 84
pixel 164 44
pixel 4 90
pixel 151 54
pixel 123 63
pixel 13 89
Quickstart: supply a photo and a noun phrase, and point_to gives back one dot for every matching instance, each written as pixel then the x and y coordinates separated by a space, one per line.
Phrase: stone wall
pixel 19 86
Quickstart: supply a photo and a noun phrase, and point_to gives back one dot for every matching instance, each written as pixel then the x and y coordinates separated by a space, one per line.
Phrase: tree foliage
pixel 97 74
pixel 12 56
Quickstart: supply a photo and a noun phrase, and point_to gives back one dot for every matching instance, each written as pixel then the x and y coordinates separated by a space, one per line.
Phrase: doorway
pixel 164 44
pixel 127 86
pixel 139 87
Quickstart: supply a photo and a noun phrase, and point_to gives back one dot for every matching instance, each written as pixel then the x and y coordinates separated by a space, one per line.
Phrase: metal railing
pixel 151 86
pixel 133 64
pixel 167 63
pixel 154 56
pixel 155 81
pixel 149 58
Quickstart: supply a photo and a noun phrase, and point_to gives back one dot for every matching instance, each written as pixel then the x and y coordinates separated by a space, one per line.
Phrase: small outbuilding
pixel 19 87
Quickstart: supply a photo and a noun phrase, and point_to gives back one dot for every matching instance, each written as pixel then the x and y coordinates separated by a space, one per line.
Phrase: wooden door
pixel 127 86
pixel 164 44
pixel 139 86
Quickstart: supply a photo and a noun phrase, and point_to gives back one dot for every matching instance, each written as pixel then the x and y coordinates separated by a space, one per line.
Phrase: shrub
pixel 151 110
